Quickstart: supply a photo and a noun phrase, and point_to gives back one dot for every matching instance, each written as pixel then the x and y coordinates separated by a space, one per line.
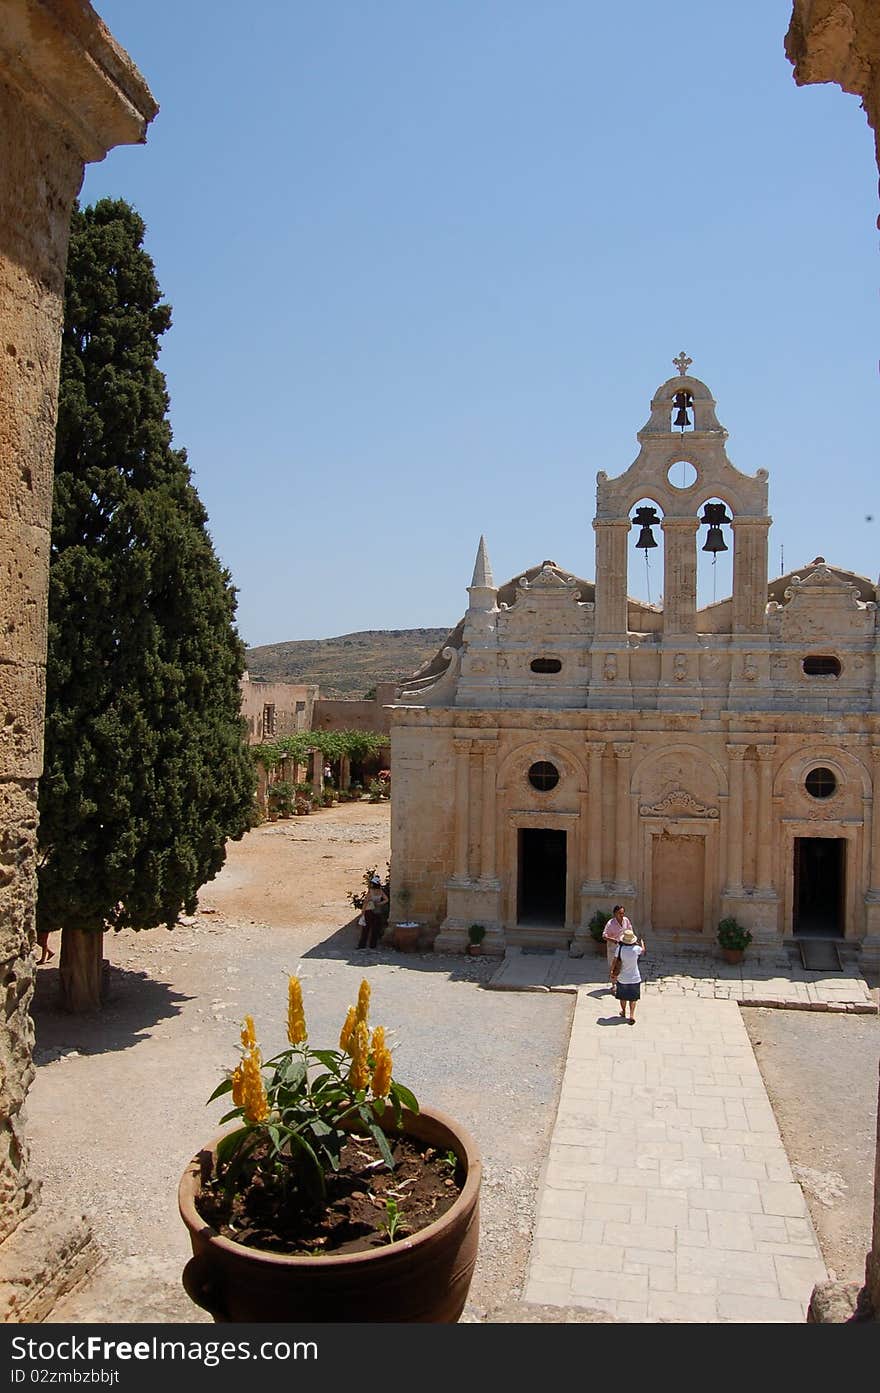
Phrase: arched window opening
pixel 645 559
pixel 714 553
pixel 682 414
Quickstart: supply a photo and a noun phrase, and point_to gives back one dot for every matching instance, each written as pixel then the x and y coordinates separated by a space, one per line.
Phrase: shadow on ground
pixel 457 967
pixel 135 1002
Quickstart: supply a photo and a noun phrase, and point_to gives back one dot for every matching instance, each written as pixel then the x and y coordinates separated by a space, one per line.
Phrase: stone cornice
pixel 73 76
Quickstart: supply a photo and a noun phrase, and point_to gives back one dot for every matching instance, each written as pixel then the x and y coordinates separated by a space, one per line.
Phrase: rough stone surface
pixel 68 93
pixel 832 1303
pixel 45 1257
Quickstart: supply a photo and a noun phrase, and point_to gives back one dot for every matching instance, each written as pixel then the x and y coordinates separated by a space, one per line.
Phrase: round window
pixel 820 783
pixel 543 776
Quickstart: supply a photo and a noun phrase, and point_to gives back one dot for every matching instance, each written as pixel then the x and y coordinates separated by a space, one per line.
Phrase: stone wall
pixel 68 94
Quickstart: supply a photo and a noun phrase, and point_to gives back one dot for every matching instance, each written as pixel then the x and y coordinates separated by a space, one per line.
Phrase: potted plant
pixel 476 934
pixel 335 1197
pixel 734 938
pixel 596 926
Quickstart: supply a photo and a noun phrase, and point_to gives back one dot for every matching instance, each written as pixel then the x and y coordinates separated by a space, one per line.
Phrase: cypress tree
pixel 146 771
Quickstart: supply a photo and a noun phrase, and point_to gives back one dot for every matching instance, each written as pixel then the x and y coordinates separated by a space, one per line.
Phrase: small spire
pixel 482 570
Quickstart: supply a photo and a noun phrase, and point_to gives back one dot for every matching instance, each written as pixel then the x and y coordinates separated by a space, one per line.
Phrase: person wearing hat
pixel 373 914
pixel 617 926
pixel 628 984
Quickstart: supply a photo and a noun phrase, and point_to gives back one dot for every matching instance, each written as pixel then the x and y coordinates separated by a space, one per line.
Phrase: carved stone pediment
pixel 677 802
pixel 821 606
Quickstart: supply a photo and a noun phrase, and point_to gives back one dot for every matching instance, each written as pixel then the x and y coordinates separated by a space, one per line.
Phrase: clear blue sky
pixel 429 262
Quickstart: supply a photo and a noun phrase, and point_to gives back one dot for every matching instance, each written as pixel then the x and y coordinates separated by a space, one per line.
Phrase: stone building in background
pixel 68 94
pixel 572 748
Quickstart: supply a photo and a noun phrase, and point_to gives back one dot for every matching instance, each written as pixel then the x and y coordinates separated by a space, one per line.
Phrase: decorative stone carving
pixel 609 667
pixel 750 671
pixel 677 803
pixel 680 667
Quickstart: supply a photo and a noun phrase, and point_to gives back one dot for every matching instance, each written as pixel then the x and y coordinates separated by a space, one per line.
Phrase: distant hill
pixel 347 666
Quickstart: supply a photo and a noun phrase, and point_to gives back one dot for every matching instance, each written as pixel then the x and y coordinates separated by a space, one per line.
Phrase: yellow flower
pixel 256 1104
pixel 359 1073
pixel 296 1021
pixel 363 1006
pixel 382 1073
pixel 237 1086
pixel 248 1036
pixel 348 1030
pixel 377 1044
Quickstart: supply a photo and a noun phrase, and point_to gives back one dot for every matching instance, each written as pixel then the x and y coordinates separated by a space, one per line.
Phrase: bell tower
pixel 682 464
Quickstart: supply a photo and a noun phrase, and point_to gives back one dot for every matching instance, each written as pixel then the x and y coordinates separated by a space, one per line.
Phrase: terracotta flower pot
pixel 732 955
pixel 422 1278
pixel 406 937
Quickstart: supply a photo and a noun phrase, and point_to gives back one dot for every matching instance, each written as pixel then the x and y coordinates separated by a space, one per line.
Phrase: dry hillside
pixel 350 665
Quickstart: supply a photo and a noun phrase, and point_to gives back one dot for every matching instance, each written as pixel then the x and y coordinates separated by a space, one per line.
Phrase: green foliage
pixel 476 933
pixel 733 934
pixel 295 1113
pixel 393 1222
pixel 597 924
pixel 332 744
pixel 280 797
pixel 146 769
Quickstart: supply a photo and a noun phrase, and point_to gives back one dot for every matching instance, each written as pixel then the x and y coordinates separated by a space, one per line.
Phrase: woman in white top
pixel 629 979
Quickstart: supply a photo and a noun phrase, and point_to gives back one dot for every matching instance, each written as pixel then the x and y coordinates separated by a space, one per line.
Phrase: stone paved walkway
pixel 768 980
pixel 667 1194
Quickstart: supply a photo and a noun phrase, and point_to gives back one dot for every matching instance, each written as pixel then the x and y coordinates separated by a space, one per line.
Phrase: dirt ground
pixel 118 1105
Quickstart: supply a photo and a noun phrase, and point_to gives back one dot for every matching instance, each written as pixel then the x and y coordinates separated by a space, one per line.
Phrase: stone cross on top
pixel 682 362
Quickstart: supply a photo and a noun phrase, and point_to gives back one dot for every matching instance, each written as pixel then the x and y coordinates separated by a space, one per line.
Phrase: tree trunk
pixel 80 971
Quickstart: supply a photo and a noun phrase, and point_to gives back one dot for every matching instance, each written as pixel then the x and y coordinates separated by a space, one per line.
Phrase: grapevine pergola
pixel 331 744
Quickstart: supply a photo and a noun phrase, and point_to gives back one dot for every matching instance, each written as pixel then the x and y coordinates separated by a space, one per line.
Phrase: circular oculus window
pixel 820 783
pixel 543 776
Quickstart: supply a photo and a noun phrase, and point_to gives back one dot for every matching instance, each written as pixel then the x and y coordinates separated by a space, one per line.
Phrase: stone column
pixel 735 755
pixel 68 94
pixel 622 873
pixel 610 596
pixel 679 576
pixel 874 877
pixel 344 772
pixel 462 748
pixel 750 574
pixel 595 751
pixel 763 873
pixel 487 831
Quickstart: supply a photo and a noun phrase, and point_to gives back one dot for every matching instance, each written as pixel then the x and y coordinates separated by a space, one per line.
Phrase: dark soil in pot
pixel 356 1216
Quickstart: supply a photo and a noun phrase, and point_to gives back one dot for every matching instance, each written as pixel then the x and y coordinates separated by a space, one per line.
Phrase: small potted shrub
pixel 476 934
pixel 734 938
pixel 334 1197
pixel 596 927
pixel 280 798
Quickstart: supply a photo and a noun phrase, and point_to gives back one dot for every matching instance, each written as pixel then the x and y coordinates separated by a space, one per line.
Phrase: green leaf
pixel 406 1098
pixel 224 1087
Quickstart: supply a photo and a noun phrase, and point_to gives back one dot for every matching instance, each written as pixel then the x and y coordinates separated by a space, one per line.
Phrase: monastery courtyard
pixel 637 1173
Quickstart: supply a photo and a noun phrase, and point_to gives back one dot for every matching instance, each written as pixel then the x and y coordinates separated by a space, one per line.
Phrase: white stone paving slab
pixel 661 1203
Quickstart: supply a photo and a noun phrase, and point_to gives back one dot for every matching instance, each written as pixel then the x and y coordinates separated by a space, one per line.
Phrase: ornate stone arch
pixel 531 750
pixel 681 748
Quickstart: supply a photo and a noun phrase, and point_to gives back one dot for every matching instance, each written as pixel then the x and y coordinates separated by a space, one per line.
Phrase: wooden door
pixel 679 868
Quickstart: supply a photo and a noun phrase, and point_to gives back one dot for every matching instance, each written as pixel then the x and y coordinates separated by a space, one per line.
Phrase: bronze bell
pixel 682 400
pixel 645 518
pixel 713 515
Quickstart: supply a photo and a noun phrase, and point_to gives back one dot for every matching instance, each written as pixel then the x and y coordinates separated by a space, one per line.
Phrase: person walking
pixel 372 913
pixel 612 932
pixel 628 984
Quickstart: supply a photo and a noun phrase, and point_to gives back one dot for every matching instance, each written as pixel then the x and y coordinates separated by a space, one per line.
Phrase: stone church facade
pixel 571 747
